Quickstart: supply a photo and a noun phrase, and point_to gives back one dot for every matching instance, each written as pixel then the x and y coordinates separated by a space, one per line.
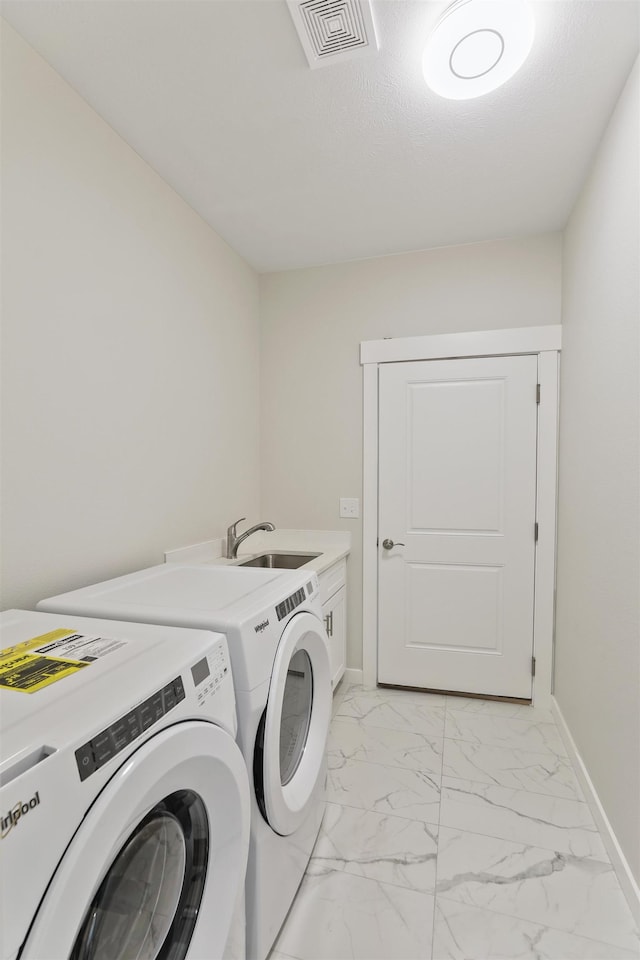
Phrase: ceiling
pixel 296 167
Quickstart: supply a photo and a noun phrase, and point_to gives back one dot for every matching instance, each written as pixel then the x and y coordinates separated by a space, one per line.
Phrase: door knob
pixel 389 544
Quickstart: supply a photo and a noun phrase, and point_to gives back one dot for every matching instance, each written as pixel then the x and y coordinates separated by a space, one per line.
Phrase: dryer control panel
pixel 290 603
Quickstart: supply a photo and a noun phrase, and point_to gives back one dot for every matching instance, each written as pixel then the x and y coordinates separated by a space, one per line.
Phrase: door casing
pixel 545 342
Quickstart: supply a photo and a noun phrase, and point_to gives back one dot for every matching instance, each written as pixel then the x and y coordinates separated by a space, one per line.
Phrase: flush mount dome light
pixel 476 46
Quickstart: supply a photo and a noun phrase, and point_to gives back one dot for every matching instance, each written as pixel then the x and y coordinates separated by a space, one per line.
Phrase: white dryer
pixel 280 661
pixel 124 798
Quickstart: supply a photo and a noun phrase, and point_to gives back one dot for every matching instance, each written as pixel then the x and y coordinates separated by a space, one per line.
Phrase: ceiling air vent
pixel 332 30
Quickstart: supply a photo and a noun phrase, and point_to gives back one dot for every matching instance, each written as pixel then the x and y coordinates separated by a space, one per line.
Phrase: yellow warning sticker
pixel 28 672
pixel 35 642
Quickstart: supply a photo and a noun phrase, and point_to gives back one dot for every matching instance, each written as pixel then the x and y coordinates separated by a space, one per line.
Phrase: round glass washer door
pixel 147 905
pixel 296 725
pixel 297 704
pixel 155 870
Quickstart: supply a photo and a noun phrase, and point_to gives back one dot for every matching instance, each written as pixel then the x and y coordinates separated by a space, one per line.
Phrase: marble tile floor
pixel 455 829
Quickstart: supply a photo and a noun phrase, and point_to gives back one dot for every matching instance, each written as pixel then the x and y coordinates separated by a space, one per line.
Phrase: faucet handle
pixel 232 529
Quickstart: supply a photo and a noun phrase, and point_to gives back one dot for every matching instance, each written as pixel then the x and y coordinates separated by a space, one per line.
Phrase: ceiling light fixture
pixel 476 46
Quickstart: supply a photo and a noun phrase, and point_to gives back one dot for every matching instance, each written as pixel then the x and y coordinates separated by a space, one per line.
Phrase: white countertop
pixel 332 545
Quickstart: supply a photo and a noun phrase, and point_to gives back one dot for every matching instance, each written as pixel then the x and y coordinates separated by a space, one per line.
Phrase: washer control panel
pixel 109 742
pixel 209 672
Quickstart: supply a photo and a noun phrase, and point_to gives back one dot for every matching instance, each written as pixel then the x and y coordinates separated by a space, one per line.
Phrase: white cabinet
pixel 334 612
pixel 333 595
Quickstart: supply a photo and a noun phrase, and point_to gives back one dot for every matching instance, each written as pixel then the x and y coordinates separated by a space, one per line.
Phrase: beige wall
pixel 312 324
pixel 598 601
pixel 125 319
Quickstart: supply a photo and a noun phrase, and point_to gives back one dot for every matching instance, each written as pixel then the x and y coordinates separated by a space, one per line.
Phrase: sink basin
pixel 283 561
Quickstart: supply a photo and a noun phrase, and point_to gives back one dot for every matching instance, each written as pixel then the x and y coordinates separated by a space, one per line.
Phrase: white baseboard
pixel 618 859
pixel 352 675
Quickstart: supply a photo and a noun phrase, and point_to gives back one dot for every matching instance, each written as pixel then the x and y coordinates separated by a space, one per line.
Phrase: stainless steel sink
pixel 283 561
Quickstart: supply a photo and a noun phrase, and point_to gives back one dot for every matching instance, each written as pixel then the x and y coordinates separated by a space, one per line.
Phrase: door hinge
pixel 537 393
pixel 377 541
pixel 533 666
pixel 535 531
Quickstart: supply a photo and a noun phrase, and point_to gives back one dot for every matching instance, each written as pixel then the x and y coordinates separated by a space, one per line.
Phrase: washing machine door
pixel 156 869
pixel 296 724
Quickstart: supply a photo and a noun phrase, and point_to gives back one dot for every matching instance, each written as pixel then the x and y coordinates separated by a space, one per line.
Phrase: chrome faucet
pixel 234 541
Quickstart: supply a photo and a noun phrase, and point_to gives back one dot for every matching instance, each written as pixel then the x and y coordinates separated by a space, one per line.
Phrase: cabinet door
pixel 334 612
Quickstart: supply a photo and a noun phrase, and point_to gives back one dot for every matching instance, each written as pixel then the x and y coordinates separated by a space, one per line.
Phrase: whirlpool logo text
pixel 20 810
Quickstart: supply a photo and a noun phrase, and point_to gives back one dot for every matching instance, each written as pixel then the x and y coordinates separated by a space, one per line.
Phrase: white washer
pixel 124 798
pixel 280 661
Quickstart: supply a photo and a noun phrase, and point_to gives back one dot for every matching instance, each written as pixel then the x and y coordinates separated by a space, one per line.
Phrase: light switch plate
pixel 350 507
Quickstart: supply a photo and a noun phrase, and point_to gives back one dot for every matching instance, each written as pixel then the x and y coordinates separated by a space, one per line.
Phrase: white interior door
pixel 457 496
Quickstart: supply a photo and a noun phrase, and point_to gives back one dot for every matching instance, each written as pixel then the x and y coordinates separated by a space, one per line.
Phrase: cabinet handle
pixel 328 622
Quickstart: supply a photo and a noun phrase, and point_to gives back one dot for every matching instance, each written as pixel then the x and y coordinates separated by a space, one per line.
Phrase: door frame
pixel 545 342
